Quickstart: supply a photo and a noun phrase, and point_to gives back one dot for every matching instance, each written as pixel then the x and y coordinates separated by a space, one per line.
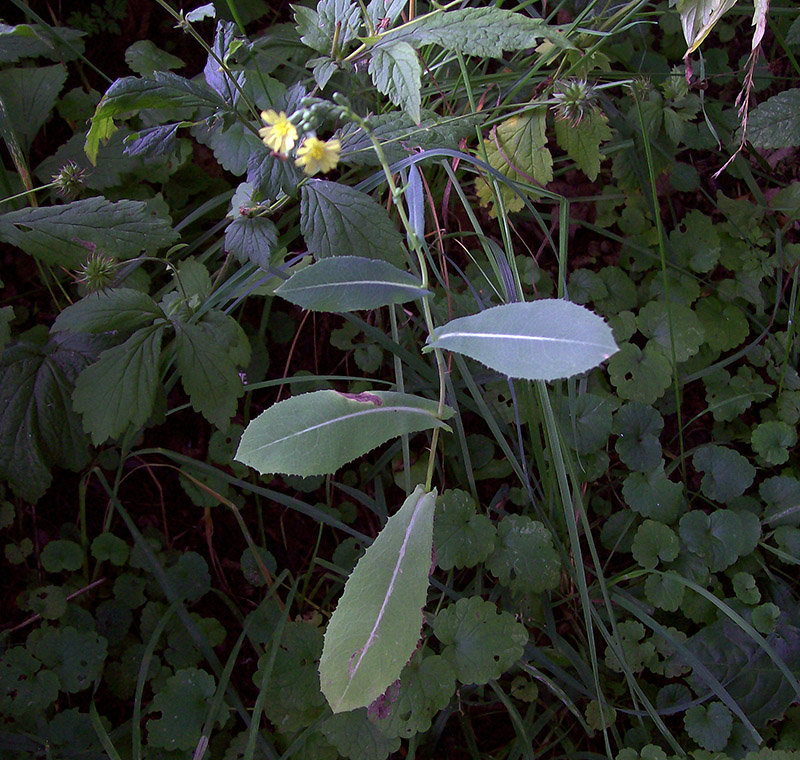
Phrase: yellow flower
pixel 280 134
pixel 317 156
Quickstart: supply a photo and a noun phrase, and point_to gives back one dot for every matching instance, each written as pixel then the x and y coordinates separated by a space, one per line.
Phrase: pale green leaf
pixel 698 18
pixel 776 122
pixel 396 71
pixel 64 235
pixel 376 625
pixel 350 283
pixel 582 141
pixel 479 641
pixel 126 379
pixel 316 433
pixel 145 58
pixel 536 340
pixel 338 220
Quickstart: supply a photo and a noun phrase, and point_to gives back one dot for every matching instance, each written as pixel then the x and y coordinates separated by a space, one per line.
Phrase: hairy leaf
pixel 376 625
pixel 776 122
pixel 29 95
pixel 120 309
pixel 396 71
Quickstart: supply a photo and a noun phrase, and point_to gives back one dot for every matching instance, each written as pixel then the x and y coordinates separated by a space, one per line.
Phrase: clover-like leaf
pixel 653 495
pixel 640 375
pixel 721 537
pixel 771 440
pixel 461 537
pixel 709 726
pixel 183 704
pixel 479 641
pixel 638 427
pixel 727 474
pixel 654 541
pixel 524 557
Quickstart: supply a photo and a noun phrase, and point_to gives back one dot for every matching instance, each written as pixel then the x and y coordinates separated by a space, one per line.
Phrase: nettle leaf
pixel 524 557
pixel 316 433
pixel 250 236
pixel 132 94
pixel 126 377
pixel 582 142
pixel 426 686
pixel 484 32
pixel 64 235
pixel 781 496
pixel 721 537
pixel 376 625
pixel 653 495
pixel 121 309
pixel 534 340
pixel 709 726
pixel 727 473
pixel 640 375
pixel 396 72
pixel 480 642
pixel 39 428
pixel 29 95
pixel 208 374
pixel 318 27
pixel 776 123
pixel 350 283
pixel 638 427
pixel 461 537
pixel 337 220
pixel 771 440
pixel 356 737
pixel 654 541
pixel 182 701
pixel 686 333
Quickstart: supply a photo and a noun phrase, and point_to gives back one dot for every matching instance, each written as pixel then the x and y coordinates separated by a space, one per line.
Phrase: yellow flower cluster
pixel 313 155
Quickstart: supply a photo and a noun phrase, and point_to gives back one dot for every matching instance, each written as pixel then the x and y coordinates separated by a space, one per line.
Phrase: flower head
pixel 280 134
pixel 70 180
pixel 318 156
pixel 97 272
pixel 574 98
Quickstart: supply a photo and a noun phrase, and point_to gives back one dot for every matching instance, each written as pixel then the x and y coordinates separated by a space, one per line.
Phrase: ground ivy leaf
pixel 582 142
pixel 207 373
pixel 710 726
pixel 653 495
pixel 727 474
pixel 316 433
pixel 479 641
pixel 189 577
pixel 781 495
pixel 637 652
pixel 61 554
pixel 655 319
pixel 771 440
pixel 426 686
pixel 461 537
pixel 654 541
pixel 48 601
pixel 524 557
pixel 338 220
pixel 25 689
pixel 357 737
pixel 721 537
pixel 38 426
pixel 639 375
pixel 727 397
pixel 183 704
pixel 64 235
pixel 776 122
pixel 126 378
pixel 665 591
pixel 638 427
pixel 76 657
pixel 696 243
pixel 396 71
pixel 376 625
pixel 586 422
pixel 745 588
pixel 111 548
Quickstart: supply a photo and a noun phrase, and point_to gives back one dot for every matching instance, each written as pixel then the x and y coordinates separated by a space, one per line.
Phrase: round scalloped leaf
pixel 111 548
pixel 709 726
pixel 183 703
pixel 667 323
pixel 765 617
pixel 426 686
pixel 745 588
pixel 725 325
pixel 461 537
pixel 586 422
pixel 654 541
pixel 534 340
pixel 637 652
pixel 781 496
pixel 653 495
pixel 76 657
pixel 665 591
pixel 697 243
pixel 223 444
pixel 479 641
pixel 727 474
pixel 771 440
pixel 599 716
pixel 357 737
pixel 524 557
pixel 721 537
pixel 24 688
pixel 189 577
pixel 638 427
pixel 728 397
pixel 251 568
pixel 640 375
pixel 62 555
pixel 48 601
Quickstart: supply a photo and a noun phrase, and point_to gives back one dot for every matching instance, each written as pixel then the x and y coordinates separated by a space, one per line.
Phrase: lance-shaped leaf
pixel 316 433
pixel 538 340
pixel 350 283
pixel 376 625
